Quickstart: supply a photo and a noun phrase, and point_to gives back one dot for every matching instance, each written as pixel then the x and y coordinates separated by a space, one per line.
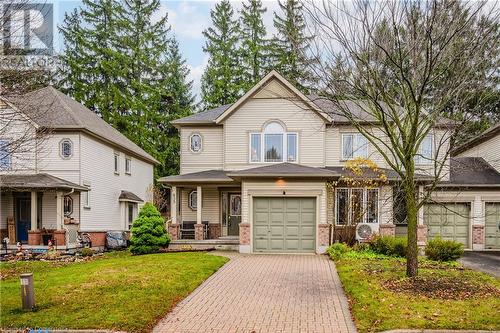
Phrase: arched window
pixel 273 145
pixel 195 143
pixel 66 148
pixel 68 206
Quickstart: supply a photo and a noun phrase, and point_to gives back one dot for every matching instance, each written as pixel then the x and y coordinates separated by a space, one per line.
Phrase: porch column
pixel 173 204
pixel 34 210
pixel 198 228
pixel 174 227
pixel 59 210
pixel 421 227
pixel 478 223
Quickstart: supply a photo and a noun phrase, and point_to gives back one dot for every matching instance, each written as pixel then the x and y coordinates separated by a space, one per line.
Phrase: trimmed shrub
pixel 389 245
pixel 148 232
pixel 443 250
pixel 337 250
pixel 87 252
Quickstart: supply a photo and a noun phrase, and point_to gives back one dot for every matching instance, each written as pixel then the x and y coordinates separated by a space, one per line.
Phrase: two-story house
pixel 260 171
pixel 64 170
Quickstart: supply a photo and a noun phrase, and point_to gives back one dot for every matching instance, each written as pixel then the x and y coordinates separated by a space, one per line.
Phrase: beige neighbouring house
pixel 259 173
pixel 64 171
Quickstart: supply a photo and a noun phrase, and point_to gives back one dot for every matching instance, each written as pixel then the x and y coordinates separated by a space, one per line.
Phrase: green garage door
pixel 492 226
pixel 450 221
pixel 284 224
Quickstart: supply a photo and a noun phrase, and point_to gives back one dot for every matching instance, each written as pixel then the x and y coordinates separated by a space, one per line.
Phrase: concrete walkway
pixel 265 293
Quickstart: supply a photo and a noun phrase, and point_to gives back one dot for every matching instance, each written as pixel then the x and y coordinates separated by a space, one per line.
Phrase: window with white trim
pixel 425 152
pixel 5 161
pixel 86 199
pixel 356 205
pixel 117 163
pixel 131 209
pixel 354 145
pixel 68 205
pixel 273 145
pixel 195 143
pixel 193 200
pixel 66 148
pixel 128 165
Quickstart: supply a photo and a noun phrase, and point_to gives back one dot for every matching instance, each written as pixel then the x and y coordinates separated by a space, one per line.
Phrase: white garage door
pixel 449 221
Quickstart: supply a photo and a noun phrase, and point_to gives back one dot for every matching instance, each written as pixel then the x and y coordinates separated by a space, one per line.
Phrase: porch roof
pixel 129 196
pixel 208 176
pixel 370 174
pixel 284 170
pixel 39 181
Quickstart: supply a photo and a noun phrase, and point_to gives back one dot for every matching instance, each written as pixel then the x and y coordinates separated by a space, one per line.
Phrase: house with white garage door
pixel 64 171
pixel 262 174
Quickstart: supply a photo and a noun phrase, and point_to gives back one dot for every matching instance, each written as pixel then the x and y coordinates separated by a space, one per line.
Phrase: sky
pixel 187 20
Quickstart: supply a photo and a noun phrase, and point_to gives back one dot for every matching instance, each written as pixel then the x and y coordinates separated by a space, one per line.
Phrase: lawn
pixel 117 291
pixel 444 297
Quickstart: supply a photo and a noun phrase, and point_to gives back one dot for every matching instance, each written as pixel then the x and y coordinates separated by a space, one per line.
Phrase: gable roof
pixel 203 117
pixel 472 171
pixel 207 176
pixel 284 170
pixel 485 136
pixel 52 109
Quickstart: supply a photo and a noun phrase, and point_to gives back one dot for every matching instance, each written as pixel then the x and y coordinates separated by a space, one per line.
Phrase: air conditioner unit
pixel 366 230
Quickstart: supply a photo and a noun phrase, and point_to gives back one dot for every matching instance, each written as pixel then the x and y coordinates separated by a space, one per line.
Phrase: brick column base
pixel 478 237
pixel 34 237
pixel 198 232
pixel 245 238
pixel 175 231
pixel 323 234
pixel 213 230
pixel 421 234
pixel 60 237
pixel 387 229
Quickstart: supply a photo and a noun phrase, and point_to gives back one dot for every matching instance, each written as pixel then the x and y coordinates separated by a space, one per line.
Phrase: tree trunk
pixel 412 211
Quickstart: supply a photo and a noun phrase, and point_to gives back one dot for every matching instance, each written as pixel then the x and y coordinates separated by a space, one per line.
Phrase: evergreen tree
pixel 121 63
pixel 291 44
pixel 221 81
pixel 253 51
pixel 148 232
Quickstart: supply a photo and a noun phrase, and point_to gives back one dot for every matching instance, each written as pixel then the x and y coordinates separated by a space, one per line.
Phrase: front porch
pixel 39 211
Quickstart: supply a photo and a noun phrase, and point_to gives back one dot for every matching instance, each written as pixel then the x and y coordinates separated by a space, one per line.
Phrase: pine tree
pixel 291 44
pixel 121 63
pixel 221 81
pixel 254 55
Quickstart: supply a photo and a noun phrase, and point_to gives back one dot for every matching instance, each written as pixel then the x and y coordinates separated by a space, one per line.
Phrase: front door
pixel 23 218
pixel 234 219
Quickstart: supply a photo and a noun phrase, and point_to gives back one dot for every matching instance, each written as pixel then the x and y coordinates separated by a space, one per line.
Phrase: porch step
pixel 218 244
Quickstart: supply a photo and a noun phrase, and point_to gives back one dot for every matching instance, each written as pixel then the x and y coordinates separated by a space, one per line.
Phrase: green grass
pixel 117 291
pixel 376 308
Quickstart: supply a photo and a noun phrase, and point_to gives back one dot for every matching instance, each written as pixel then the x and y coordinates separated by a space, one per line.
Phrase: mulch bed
pixel 439 287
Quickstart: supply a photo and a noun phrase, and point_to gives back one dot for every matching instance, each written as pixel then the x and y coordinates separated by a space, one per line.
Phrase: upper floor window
pixel 5 161
pixel 117 163
pixel 274 144
pixel 128 165
pixel 425 152
pixel 66 148
pixel 195 143
pixel 354 145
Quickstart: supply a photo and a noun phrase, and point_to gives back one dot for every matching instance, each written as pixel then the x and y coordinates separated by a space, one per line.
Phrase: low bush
pixel 148 231
pixel 337 250
pixel 443 250
pixel 389 245
pixel 87 252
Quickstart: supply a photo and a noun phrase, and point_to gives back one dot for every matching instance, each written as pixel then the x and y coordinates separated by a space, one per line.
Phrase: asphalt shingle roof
pixel 40 181
pixel 284 170
pixel 52 109
pixel 208 176
pixel 472 171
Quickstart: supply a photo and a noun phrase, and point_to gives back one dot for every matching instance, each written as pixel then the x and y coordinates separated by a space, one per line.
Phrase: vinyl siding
pixel 211 155
pixel 6 208
pixel 97 171
pixel 253 115
pixel 210 207
pixel 489 150
pixel 50 160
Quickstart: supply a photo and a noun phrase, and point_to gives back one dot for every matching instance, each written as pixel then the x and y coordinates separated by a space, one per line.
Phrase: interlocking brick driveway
pixel 265 293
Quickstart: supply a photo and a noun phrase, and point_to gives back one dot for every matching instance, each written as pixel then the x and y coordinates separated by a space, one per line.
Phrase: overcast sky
pixel 187 19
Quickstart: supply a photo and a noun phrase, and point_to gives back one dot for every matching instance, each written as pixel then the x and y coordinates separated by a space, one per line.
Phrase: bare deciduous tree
pixel 401 65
